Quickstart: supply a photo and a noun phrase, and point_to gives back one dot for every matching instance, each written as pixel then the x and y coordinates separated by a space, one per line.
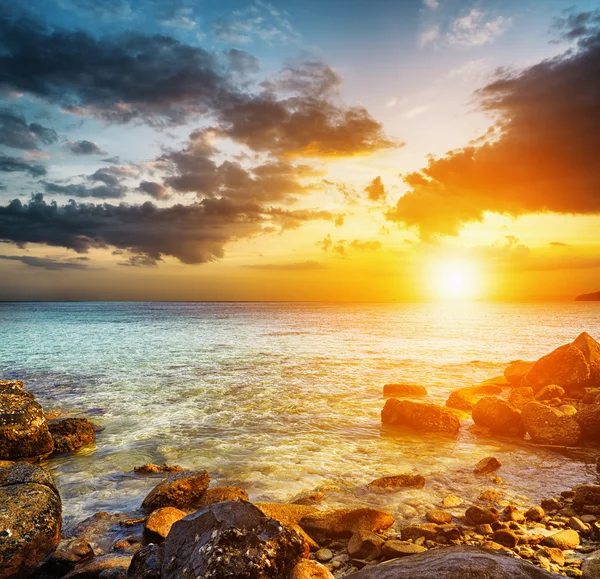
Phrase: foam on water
pixel 280 398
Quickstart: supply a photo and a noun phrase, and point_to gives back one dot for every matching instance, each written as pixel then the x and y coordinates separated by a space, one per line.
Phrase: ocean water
pixel 280 398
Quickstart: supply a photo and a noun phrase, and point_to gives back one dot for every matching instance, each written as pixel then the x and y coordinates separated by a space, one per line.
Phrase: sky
pixel 391 150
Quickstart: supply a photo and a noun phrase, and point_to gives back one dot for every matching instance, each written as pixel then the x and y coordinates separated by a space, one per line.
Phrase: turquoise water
pixel 279 397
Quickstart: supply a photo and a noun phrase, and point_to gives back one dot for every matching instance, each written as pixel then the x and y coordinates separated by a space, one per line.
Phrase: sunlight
pixel 454 279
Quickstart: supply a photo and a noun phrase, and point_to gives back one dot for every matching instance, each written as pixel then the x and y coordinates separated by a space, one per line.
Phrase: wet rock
pixel 159 523
pixel 151 468
pixel 549 392
pixel 117 565
pixel 146 563
pixel 516 371
pixel 393 549
pixel 460 562
pixel 30 518
pixel 491 495
pixel 439 517
pixel 553 555
pixel 506 538
pixel 23 428
pixel 513 514
pixel 404 390
pixel 586 495
pixel 221 494
pixel 568 410
pixel 480 516
pixel 290 515
pixel 313 497
pixel 420 416
pixel 428 531
pixel 485 529
pixel 70 434
pixel 68 553
pixel 462 399
pixel 365 545
pixel 578 525
pixel 521 396
pixel 487 465
pixel 499 416
pixel 230 540
pixel 588 418
pixel 346 522
pixel 590 349
pixel 551 504
pixel 14 387
pixel 184 491
pixel 565 366
pixel 563 540
pixel 547 425
pixel 591 566
pixel 415 481
pixel 451 501
pixel 306 569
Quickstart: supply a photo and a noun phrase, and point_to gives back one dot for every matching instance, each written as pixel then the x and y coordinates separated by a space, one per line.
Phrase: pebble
pixel 323 555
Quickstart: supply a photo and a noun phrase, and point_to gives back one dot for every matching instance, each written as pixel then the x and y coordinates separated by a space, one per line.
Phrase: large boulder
pixel 30 518
pixel 159 523
pixel 420 416
pixel 14 387
pixel 146 563
pixel 70 434
pixel 588 418
pixel 591 566
pixel 460 562
pixel 547 425
pixel 499 416
pixel 230 540
pixel 516 371
pixel 23 428
pixel 346 522
pixel 521 396
pixel 184 490
pixel 398 481
pixel 565 366
pixel 590 349
pixel 290 515
pixel 586 494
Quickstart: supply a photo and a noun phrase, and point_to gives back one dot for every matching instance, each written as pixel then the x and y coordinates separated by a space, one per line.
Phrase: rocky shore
pixel 187 528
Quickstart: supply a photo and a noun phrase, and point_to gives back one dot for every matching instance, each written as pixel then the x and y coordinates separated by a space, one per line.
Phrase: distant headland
pixel 593 297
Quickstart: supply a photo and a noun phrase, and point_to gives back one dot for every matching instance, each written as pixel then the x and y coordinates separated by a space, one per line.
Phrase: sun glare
pixel 454 279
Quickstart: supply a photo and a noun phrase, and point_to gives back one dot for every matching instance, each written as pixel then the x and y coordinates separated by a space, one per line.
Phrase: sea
pixel 282 398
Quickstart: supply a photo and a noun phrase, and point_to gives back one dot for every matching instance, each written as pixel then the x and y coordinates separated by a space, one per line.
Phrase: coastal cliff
pixel 593 297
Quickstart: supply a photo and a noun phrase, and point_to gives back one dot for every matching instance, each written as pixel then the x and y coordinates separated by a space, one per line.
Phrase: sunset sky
pixel 339 150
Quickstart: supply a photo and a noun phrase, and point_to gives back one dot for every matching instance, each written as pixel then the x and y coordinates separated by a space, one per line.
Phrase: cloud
pixel 579 26
pixel 16 133
pixel 195 233
pixel 365 245
pixel 294 266
pixel 107 10
pixel 475 28
pixel 180 18
pixel 375 190
pixel 541 157
pixel 49 263
pixel 429 36
pixel 432 4
pixel 14 165
pixel 416 111
pixel 84 148
pixel 83 191
pixel 154 189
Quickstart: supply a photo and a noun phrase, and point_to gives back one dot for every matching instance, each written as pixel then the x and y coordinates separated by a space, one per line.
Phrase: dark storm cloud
pixel 545 158
pixel 15 132
pixel 14 165
pixel 49 263
pixel 83 191
pixel 112 160
pixel 154 189
pixel 194 233
pixel 84 148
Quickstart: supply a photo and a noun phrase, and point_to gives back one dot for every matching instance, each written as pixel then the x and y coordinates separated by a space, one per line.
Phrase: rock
pixel 590 349
pixel 578 525
pixel 146 563
pixel 549 392
pixel 221 494
pixel 490 495
pixel 591 566
pixel 551 504
pixel 512 513
pixel 323 555
pixel 346 522
pixel 230 540
pixel 480 516
pixel 547 425
pixel 588 418
pixel 392 549
pixel 499 416
pixel 506 538
pixel 565 366
pixel 586 495
pixel 69 434
pixel 404 390
pixel 462 399
pixel 23 428
pixel 428 531
pixel 553 555
pixel 460 562
pixel 420 416
pixel 30 517
pixel 14 387
pixel 151 468
pixel 290 515
pixel 313 497
pixel 68 553
pixel 438 517
pixel 451 501
pixel 306 569
pixel 521 396
pixel 516 371
pixel 487 465
pixel 563 540
pixel 184 491
pixel 415 481
pixel 159 523
pixel 93 568
pixel 485 529
pixel 568 410
pixel 365 545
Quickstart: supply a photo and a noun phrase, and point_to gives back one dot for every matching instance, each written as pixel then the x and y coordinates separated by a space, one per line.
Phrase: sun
pixel 454 279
